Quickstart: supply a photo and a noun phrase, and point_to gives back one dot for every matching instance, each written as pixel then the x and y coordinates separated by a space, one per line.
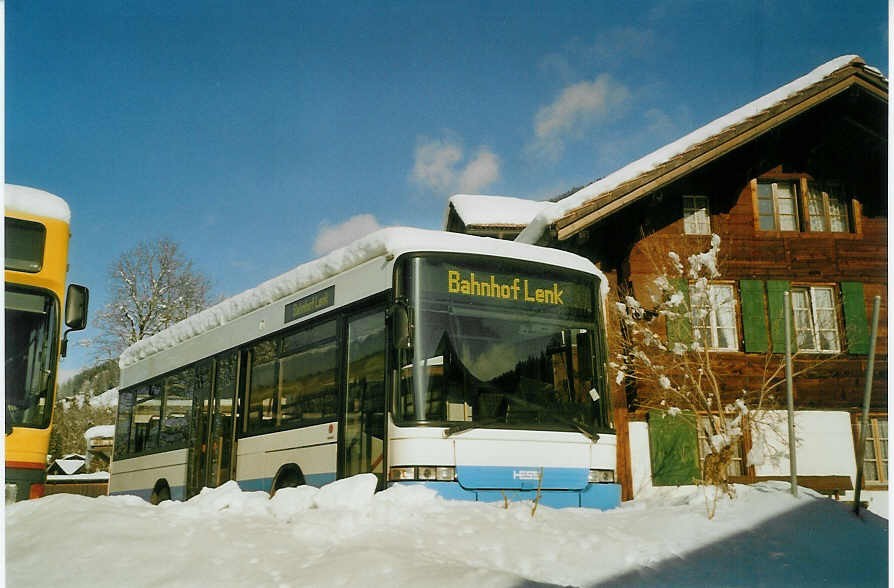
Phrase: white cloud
pixel 439 165
pixel 482 171
pixel 331 237
pixel 578 108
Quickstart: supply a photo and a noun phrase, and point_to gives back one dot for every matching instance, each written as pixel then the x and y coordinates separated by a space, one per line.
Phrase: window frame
pixel 713 325
pixel 774 201
pixel 826 196
pixel 880 457
pixel 741 447
pixel 815 329
pixel 806 186
pixel 696 214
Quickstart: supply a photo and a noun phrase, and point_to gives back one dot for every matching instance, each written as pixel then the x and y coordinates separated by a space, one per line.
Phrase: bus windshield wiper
pixel 561 419
pixel 482 424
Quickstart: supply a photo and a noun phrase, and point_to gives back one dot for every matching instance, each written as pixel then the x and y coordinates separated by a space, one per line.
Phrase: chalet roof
pixel 639 178
pixel 499 212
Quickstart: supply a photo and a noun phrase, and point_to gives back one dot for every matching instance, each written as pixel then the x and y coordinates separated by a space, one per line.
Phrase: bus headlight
pixel 426 473
pixel 423 473
pixel 601 477
pixel 402 474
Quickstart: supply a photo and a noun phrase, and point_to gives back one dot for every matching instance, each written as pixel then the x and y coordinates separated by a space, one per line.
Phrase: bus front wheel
pixel 288 476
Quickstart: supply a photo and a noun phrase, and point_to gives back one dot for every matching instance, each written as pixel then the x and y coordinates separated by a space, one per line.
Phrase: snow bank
pixel 37 202
pixel 344 535
pixel 550 215
pixel 391 241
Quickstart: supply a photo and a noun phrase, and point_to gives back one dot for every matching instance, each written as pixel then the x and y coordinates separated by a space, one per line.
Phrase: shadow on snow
pixel 820 544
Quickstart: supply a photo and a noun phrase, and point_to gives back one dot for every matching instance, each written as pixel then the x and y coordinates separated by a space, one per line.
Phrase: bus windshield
pixel 30 350
pixel 500 345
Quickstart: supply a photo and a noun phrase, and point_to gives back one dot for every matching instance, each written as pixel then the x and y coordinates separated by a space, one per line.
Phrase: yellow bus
pixel 36 233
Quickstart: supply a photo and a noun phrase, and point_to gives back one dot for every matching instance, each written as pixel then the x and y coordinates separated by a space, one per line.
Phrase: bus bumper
pixel 599 496
pixel 24 483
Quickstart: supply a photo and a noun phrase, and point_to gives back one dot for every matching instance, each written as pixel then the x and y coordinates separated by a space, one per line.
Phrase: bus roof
pixel 35 202
pixel 392 242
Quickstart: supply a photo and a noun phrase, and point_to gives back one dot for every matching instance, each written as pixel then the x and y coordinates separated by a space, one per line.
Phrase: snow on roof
pixel 485 210
pixel 36 202
pixel 107 398
pixel 548 216
pixel 70 466
pixel 94 477
pixel 391 241
pixel 99 431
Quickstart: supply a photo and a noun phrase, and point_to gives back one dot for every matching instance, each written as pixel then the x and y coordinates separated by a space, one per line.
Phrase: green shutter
pixel 673 447
pixel 679 328
pixel 856 325
pixel 754 316
pixel 775 289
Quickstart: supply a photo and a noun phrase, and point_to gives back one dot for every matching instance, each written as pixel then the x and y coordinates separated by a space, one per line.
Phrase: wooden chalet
pixel 795 185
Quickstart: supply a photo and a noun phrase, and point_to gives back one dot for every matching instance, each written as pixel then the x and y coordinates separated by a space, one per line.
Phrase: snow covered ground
pixel 344 535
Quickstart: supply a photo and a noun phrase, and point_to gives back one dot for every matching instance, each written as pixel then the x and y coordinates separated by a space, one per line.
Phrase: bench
pixel 833 486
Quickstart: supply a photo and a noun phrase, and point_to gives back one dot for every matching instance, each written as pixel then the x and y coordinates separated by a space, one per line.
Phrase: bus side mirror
pixel 76 301
pixel 401 328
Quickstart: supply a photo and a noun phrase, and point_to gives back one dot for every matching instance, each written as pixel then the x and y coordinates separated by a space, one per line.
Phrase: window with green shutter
pixel 754 316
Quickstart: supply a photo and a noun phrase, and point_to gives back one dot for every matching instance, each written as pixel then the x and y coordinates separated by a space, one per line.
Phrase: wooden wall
pixel 800 257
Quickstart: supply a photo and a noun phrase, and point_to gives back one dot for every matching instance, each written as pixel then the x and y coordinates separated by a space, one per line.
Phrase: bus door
pixel 362 427
pixel 222 429
pixel 198 452
pixel 211 457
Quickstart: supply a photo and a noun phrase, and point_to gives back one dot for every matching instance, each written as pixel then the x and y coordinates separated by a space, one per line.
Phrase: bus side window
pixel 146 416
pixel 122 426
pixel 262 385
pixel 178 389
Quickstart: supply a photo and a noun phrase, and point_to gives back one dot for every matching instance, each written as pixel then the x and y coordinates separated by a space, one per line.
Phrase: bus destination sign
pixel 310 304
pixel 528 291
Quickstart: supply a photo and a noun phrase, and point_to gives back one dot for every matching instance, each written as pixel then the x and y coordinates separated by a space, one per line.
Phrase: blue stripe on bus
pixel 177 493
pixel 600 496
pixel 264 484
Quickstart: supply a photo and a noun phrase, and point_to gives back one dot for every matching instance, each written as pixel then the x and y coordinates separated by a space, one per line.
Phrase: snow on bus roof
pixel 390 241
pixel 552 214
pixel 35 202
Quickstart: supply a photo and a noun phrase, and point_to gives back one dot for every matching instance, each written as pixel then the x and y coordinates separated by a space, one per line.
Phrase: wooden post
pixel 789 392
pixel 867 396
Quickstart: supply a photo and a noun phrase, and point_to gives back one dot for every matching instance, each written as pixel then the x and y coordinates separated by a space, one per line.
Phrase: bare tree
pixel 152 286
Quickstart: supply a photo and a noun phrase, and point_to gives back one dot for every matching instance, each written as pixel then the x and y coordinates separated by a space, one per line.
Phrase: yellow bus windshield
pixel 31 318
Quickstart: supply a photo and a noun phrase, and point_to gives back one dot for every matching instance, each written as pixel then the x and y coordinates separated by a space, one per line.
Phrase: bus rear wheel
pixel 160 492
pixel 288 476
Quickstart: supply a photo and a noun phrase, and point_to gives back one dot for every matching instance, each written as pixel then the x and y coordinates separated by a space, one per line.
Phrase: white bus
pixel 473 366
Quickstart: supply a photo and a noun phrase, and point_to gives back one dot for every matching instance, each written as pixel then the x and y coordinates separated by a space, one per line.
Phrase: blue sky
pixel 259 134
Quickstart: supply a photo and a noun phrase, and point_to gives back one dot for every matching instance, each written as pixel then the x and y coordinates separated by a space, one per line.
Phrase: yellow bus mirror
pixel 76 301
